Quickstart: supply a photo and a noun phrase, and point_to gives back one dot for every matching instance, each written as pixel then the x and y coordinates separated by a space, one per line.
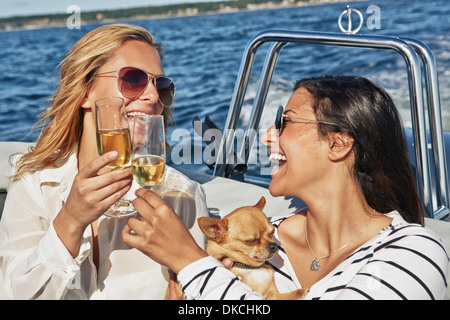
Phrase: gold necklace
pixel 315 264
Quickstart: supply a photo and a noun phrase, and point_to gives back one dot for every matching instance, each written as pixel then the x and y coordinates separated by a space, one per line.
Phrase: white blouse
pixel 37 265
pixel 404 261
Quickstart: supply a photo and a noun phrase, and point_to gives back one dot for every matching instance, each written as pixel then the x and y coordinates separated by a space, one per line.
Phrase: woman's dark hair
pixel 366 112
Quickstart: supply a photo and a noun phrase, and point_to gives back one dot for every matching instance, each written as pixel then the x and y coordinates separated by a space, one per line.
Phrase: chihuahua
pixel 246 237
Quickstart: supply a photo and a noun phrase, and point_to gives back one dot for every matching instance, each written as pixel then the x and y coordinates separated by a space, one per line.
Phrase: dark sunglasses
pixel 280 120
pixel 132 81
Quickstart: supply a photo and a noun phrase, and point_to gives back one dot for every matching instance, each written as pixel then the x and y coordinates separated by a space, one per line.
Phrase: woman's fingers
pixel 151 198
pixel 91 194
pixel 92 168
pixel 175 292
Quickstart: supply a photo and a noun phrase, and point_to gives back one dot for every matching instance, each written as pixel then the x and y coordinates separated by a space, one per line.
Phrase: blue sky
pixel 26 7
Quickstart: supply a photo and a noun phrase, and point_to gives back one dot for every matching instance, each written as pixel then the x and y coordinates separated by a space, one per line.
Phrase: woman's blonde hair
pixel 62 122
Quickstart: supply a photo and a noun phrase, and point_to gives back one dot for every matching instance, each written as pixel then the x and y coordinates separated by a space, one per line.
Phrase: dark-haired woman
pixel 341 149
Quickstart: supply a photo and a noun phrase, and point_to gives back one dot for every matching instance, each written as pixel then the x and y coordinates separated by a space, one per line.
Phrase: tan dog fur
pixel 246 236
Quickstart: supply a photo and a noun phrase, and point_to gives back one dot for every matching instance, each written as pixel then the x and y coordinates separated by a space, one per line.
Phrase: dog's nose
pixel 272 247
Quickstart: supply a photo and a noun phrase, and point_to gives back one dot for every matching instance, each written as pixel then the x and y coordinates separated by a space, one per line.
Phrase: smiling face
pixel 299 150
pixel 132 53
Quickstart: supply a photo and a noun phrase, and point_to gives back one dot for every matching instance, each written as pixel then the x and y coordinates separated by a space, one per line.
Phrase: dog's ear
pixel 261 203
pixel 215 229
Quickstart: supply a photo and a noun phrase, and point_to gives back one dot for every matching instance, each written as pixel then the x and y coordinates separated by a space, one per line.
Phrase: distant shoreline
pixel 43 21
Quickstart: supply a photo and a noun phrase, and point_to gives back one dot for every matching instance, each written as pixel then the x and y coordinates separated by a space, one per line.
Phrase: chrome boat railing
pixel 431 172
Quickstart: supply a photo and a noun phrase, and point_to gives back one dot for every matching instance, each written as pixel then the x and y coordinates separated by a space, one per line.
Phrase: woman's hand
pixel 161 235
pixel 91 194
pixel 174 288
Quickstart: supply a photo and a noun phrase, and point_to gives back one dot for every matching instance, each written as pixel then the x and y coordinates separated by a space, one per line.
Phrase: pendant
pixel 315 266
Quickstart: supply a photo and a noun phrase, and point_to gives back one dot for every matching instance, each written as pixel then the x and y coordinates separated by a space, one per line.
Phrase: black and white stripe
pixel 405 261
pixel 406 252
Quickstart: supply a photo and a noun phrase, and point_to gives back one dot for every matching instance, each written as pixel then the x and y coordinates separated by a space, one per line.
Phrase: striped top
pixel 404 261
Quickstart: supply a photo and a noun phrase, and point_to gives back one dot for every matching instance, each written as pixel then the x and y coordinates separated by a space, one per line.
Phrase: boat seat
pixel 8 148
pixel 224 195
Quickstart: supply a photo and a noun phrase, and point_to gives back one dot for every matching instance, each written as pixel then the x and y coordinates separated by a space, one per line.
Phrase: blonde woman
pixel 55 242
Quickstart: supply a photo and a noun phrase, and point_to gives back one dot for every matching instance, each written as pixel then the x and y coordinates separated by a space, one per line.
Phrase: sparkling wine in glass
pixel 113 134
pixel 149 156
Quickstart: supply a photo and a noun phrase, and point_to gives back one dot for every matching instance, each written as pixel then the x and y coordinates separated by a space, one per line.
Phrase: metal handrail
pixel 406 47
pixel 440 208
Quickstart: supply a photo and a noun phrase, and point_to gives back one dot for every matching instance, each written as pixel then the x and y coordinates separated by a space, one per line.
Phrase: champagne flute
pixel 149 155
pixel 113 134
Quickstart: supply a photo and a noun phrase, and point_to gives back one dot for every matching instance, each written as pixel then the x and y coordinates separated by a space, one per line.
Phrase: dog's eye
pixel 251 242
